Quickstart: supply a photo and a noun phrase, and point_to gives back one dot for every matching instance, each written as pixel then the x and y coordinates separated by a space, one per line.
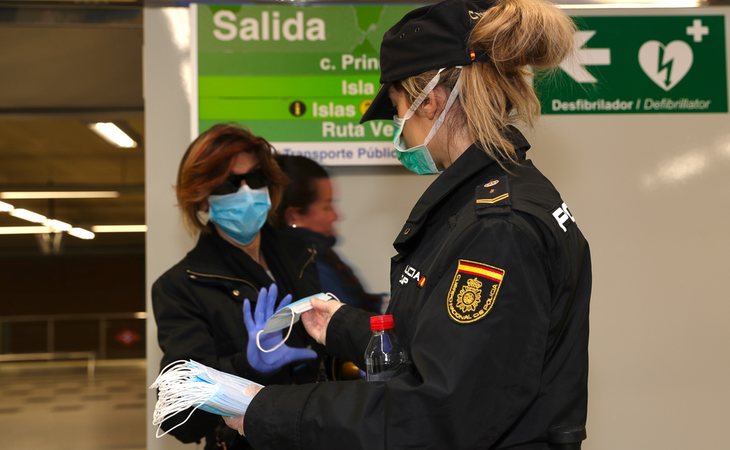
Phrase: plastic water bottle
pixel 384 357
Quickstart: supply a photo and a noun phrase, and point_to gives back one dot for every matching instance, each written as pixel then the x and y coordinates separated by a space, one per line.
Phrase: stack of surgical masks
pixel 189 384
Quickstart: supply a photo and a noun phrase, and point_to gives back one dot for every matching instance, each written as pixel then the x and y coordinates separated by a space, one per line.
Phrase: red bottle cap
pixel 380 323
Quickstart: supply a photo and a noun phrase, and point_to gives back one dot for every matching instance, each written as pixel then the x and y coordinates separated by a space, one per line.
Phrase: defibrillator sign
pixel 642 64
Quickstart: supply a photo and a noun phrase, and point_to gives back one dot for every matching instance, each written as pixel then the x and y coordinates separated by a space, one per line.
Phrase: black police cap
pixel 427 38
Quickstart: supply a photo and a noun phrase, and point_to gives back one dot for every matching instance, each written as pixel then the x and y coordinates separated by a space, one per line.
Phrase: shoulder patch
pixel 473 291
pixel 493 197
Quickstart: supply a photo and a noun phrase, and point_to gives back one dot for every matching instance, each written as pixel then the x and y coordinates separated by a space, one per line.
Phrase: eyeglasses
pixel 255 179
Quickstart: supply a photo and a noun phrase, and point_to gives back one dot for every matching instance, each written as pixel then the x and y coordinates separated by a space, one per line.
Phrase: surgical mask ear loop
pixel 452 98
pixel 423 95
pixel 258 336
pixel 179 404
pixel 159 427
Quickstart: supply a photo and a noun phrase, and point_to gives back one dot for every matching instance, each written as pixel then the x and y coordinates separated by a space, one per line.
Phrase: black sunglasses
pixel 255 179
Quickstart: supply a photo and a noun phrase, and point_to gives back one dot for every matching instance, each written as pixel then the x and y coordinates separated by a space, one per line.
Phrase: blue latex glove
pixel 269 362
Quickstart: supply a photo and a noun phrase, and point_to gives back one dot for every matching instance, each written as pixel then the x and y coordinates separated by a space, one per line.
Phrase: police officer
pixel 491 283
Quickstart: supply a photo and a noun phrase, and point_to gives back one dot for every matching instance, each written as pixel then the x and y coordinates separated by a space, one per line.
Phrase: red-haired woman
pixel 228 187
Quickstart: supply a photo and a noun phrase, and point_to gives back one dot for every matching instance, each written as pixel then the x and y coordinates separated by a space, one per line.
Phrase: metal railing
pixel 14 332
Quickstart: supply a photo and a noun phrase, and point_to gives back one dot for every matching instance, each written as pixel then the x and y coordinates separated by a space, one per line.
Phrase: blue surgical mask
pixel 287 316
pixel 240 215
pixel 418 159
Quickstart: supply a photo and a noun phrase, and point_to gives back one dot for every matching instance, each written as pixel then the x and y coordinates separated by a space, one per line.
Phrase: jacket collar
pixel 285 255
pixel 319 240
pixel 214 256
pixel 466 166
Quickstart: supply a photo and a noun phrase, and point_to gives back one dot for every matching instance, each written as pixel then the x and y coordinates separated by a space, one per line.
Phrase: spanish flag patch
pixel 473 291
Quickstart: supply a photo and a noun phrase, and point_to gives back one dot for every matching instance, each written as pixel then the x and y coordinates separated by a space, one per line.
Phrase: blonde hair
pixel 497 92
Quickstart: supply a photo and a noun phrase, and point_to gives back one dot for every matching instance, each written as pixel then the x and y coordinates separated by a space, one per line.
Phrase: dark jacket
pixel 490 295
pixel 198 309
pixel 335 275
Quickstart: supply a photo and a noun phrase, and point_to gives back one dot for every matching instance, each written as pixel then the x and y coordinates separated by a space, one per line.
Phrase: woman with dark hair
pixel 228 189
pixel 307 212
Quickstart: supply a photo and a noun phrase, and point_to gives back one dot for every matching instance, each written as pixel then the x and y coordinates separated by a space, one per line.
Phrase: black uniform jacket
pixel 335 275
pixel 198 309
pixel 490 296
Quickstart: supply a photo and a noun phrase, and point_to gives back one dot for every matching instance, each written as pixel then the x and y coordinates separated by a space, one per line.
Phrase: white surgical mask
pixel 287 316
pixel 418 159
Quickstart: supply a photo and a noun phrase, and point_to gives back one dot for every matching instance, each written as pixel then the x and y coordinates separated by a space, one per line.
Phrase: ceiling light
pixel 113 134
pixel 57 225
pixel 119 228
pixel 6 207
pixel 81 233
pixel 49 225
pixel 16 195
pixel 30 216
pixel 24 230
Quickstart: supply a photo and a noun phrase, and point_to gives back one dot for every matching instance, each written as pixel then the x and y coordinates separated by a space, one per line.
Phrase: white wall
pixel 651 193
pixel 167 125
pixel 652 196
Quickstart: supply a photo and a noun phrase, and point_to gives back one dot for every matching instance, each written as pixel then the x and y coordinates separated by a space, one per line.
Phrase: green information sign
pixel 299 76
pixel 303 75
pixel 641 64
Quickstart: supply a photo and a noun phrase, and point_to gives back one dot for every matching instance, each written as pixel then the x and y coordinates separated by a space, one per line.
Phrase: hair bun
pixel 516 33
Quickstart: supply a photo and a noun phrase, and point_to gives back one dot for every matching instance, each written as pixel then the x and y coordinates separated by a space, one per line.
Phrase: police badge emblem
pixel 473 291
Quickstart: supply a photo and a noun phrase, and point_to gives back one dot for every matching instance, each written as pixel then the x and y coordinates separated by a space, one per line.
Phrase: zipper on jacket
pixel 193 275
pixel 310 260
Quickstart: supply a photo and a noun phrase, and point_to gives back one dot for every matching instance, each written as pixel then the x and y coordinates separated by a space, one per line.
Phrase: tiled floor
pixel 57 406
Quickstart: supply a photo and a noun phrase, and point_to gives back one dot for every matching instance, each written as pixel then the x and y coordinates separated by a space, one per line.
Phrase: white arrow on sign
pixel 574 65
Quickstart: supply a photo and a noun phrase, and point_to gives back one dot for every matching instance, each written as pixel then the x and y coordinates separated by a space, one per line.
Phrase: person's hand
pixel 269 362
pixel 236 422
pixel 318 318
